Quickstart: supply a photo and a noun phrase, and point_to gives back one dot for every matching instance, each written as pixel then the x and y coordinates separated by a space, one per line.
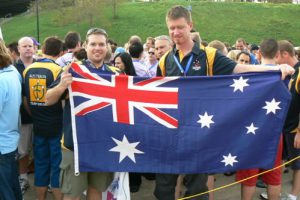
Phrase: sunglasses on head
pixel 151 53
pixel 96 30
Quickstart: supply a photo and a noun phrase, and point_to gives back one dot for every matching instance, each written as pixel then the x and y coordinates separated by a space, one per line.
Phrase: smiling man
pixel 73 186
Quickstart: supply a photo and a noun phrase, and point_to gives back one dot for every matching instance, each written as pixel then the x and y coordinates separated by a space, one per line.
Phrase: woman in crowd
pixel 10 101
pixel 123 61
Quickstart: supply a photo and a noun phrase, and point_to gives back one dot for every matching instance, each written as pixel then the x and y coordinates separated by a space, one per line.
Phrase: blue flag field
pixel 176 124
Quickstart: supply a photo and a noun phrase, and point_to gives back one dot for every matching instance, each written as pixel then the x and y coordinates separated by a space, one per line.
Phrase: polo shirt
pixel 221 65
pixel 292 119
pixel 47 120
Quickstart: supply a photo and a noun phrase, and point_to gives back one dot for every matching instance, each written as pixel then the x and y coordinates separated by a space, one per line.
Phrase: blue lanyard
pixel 152 66
pixel 187 67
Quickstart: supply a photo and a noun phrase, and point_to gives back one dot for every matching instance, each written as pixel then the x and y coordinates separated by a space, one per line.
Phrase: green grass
pixel 223 21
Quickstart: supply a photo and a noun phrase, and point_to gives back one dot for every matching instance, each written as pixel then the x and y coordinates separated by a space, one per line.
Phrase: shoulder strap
pixel 114 69
pixel 297 82
pixel 162 63
pixel 210 56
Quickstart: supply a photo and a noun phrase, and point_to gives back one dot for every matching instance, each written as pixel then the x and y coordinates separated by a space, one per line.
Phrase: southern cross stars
pixel 126 149
pixel 205 120
pixel 272 106
pixel 229 160
pixel 239 84
pixel 251 128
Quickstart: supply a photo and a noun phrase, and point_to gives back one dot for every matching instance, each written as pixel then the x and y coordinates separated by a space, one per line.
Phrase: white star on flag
pixel 272 106
pixel 239 84
pixel 251 128
pixel 205 120
pixel 229 160
pixel 126 149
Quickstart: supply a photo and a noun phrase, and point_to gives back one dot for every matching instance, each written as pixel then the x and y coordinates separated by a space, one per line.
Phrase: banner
pixel 176 124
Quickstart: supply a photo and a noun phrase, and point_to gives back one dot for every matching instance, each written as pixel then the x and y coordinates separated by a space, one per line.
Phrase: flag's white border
pixel 74 133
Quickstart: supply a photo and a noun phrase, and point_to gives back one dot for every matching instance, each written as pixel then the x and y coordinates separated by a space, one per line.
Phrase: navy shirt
pixel 67 125
pixel 25 116
pixel 221 66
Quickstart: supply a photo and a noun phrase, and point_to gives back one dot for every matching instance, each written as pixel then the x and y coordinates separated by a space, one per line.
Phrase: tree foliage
pixel 74 11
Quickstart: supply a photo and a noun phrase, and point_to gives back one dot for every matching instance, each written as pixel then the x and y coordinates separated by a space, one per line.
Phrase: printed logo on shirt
pixel 37 90
pixel 196 65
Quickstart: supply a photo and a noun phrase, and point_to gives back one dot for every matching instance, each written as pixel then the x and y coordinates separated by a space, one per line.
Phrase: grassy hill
pixel 223 21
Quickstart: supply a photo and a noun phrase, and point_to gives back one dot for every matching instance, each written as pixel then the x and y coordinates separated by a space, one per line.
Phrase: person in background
pixel 218 45
pixel 10 101
pixel 13 51
pixel 243 57
pixel 162 45
pixel 47 120
pixel 72 43
pixel 26 50
pixel 123 61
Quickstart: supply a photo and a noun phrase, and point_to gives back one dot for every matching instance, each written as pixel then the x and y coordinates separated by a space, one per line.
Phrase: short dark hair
pixel 52 46
pixel 80 54
pixel 72 39
pixel 126 59
pixel 13 47
pixel 177 12
pixel 285 45
pixel 268 48
pixel 242 52
pixel 5 59
pixel 136 49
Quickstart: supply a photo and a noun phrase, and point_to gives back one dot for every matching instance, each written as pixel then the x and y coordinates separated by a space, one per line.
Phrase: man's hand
pixel 66 78
pixel 297 140
pixel 286 70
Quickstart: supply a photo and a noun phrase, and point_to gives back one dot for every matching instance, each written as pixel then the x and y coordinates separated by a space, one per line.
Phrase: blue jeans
pixel 9 181
pixel 47 158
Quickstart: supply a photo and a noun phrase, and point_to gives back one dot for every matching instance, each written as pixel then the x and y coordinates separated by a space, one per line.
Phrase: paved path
pixel 146 190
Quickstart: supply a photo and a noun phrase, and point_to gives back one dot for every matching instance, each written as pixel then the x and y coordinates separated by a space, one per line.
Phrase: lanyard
pixel 187 67
pixel 152 66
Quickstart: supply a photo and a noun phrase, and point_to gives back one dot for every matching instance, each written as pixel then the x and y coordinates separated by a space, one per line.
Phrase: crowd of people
pixel 33 86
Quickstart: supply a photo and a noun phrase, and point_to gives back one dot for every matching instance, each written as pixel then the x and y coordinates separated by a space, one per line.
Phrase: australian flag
pixel 176 124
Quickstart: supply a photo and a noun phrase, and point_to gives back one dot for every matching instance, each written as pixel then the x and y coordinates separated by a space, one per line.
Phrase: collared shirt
pixel 221 65
pixel 65 59
pixel 10 101
pixel 292 118
pixel 47 120
pixel 140 69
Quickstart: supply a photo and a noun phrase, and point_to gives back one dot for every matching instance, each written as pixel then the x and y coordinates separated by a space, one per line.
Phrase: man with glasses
pixel 95 182
pixel 152 62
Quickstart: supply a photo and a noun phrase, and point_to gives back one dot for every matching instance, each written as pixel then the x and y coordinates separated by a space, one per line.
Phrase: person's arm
pixel 54 94
pixel 297 139
pixel 26 105
pixel 285 69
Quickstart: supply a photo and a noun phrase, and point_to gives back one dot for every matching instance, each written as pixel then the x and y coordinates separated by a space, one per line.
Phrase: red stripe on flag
pixel 145 82
pixel 92 108
pixel 76 68
pixel 162 115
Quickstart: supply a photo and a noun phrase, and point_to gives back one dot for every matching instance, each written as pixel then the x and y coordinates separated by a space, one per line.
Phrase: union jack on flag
pixel 176 124
pixel 124 95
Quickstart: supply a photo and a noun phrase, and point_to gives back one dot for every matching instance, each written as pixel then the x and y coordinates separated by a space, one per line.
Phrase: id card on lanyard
pixel 187 67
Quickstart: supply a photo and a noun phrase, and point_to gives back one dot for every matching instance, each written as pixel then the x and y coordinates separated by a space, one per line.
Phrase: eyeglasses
pixel 151 53
pixel 96 30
